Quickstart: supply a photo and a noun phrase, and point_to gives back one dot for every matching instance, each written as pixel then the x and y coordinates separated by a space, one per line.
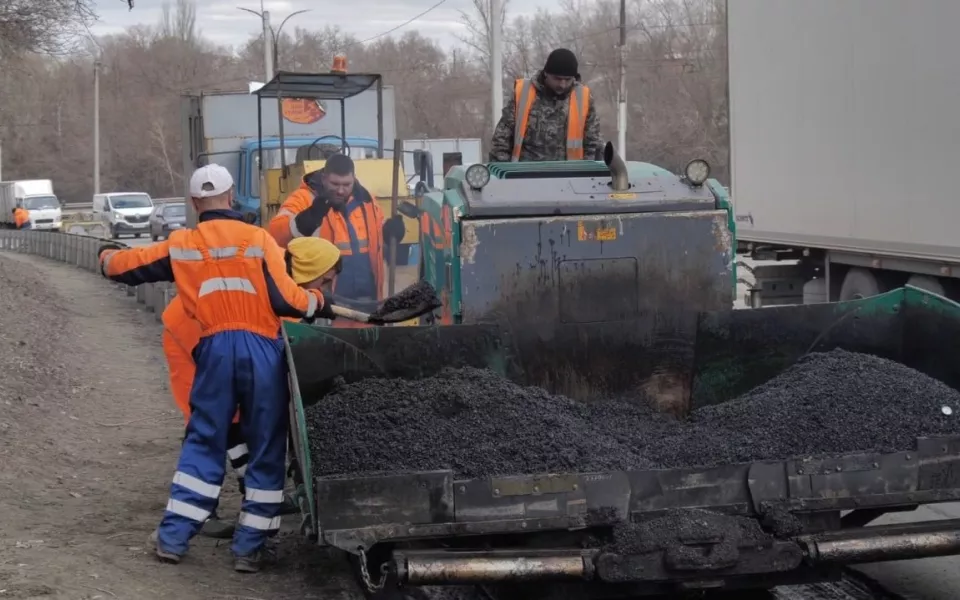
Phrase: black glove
pixel 104 248
pixel 108 246
pixel 394 229
pixel 309 220
pixel 250 218
pixel 327 311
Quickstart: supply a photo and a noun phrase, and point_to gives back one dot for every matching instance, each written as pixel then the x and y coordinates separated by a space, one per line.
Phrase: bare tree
pixel 676 76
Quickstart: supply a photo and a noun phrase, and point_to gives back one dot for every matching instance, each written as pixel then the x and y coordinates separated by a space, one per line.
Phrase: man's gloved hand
pixel 108 246
pixel 394 228
pixel 104 248
pixel 309 220
pixel 326 312
pixel 250 218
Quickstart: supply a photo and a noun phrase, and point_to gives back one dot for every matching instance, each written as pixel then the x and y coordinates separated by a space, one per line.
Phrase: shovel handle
pixel 349 313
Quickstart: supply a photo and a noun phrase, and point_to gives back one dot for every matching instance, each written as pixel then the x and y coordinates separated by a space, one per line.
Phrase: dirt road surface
pixel 88 442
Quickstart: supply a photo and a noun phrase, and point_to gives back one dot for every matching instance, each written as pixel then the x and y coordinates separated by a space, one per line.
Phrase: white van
pixel 123 212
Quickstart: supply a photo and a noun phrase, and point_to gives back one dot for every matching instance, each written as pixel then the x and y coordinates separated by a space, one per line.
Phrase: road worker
pixel 232 279
pixel 21 218
pixel 549 117
pixel 332 204
pixel 313 263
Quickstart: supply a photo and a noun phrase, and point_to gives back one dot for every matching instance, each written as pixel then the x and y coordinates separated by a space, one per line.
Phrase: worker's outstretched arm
pixel 287 299
pixel 300 215
pixel 501 146
pixel 592 142
pixel 133 266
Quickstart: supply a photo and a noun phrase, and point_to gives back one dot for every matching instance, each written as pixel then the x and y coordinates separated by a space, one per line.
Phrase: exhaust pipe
pixel 878 544
pixel 618 169
pixel 472 568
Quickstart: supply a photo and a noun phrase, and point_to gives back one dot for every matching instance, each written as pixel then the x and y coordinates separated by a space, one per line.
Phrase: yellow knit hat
pixel 311 257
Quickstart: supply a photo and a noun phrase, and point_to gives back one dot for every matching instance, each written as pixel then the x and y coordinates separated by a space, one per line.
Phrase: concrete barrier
pixel 81 252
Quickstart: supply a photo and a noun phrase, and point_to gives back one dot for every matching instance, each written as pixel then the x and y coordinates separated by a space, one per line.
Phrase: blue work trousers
pixel 233 368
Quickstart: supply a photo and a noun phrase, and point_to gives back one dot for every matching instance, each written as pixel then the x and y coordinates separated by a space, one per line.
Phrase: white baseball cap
pixel 210 180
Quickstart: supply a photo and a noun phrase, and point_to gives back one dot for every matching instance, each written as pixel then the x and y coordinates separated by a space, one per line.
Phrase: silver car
pixel 166 218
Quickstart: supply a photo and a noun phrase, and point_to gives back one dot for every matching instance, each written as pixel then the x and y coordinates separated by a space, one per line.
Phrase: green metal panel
pixel 741 349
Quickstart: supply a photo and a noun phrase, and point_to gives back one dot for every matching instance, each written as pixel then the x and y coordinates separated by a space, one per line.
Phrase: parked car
pixel 166 218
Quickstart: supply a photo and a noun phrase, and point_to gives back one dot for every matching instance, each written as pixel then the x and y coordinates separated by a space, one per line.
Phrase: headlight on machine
pixel 477 176
pixel 697 171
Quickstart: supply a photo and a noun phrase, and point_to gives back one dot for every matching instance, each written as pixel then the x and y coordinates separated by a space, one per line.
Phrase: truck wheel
pixel 926 282
pixel 859 283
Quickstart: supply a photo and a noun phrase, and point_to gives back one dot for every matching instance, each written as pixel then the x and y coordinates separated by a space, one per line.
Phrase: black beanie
pixel 562 63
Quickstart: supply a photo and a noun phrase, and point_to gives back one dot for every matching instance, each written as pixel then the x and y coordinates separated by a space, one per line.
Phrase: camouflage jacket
pixel 546 135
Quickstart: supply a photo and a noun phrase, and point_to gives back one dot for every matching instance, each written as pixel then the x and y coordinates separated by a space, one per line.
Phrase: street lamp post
pixel 270 59
pixel 276 36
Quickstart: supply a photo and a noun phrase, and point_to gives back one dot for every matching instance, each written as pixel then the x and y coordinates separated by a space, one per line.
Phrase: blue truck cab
pixel 248 179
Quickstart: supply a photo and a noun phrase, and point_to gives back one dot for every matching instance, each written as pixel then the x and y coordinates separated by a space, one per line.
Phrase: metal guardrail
pixel 81 251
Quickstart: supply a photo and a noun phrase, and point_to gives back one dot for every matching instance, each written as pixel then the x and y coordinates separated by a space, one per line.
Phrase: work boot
pixel 252 563
pixel 217 528
pixel 167 557
pixel 289 506
pixel 162 555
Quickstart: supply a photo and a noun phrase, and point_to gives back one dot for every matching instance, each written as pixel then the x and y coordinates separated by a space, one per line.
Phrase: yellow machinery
pixel 375 174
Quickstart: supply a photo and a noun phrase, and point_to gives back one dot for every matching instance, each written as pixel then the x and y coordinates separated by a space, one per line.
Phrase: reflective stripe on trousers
pixel 232 367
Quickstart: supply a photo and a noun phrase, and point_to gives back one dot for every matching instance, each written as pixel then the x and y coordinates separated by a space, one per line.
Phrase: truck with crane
pixel 840 144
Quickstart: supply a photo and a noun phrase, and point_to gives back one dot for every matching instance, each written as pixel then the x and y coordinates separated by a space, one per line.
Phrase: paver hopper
pixel 589 285
pixel 434 528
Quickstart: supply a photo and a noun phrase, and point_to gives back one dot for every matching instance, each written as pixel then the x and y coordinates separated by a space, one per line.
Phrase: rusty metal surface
pixel 885 543
pixel 491 568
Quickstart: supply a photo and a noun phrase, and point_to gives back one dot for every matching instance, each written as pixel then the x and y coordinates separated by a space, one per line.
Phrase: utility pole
pixel 622 99
pixel 96 125
pixel 267 46
pixel 496 62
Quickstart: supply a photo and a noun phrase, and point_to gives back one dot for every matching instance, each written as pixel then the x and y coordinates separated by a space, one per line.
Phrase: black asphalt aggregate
pixel 478 424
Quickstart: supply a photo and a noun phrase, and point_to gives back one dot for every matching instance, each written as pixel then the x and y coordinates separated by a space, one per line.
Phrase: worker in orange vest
pixel 21 218
pixel 550 117
pixel 332 204
pixel 232 279
pixel 313 263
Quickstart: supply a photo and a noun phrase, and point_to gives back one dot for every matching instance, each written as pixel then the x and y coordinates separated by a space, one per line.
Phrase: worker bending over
pixel 232 279
pixel 313 263
pixel 21 218
pixel 332 204
pixel 549 117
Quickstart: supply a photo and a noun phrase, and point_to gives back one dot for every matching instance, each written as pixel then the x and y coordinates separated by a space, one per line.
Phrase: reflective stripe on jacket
pixel 525 94
pixel 229 275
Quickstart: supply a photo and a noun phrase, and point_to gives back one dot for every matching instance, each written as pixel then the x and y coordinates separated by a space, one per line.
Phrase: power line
pixel 400 26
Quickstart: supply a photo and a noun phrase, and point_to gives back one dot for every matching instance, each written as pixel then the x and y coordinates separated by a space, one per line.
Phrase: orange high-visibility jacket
pixel 367 222
pixel 21 217
pixel 230 276
pixel 525 95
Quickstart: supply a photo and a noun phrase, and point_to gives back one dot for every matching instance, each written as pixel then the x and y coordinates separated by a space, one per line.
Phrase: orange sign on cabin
pixel 302 111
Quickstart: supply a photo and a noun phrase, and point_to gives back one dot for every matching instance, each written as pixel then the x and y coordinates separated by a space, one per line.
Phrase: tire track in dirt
pixel 89 439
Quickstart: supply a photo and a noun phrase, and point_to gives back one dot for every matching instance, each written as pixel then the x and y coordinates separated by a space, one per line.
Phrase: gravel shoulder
pixel 89 439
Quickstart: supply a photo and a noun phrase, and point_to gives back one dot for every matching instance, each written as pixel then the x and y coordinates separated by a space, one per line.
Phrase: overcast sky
pixel 220 21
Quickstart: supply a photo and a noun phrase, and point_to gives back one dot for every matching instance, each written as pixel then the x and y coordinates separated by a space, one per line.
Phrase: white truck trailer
pixel 843 135
pixel 37 197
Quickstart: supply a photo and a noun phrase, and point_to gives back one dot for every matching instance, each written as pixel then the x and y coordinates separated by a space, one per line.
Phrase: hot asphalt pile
pixel 419 295
pixel 478 424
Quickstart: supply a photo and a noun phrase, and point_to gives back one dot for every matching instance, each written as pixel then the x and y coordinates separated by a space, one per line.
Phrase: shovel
pixel 414 301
